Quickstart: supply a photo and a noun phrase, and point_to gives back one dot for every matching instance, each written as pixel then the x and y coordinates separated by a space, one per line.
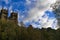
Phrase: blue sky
pixel 34 12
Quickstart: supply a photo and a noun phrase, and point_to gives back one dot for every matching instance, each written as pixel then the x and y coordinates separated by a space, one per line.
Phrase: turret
pixel 4 14
pixel 13 17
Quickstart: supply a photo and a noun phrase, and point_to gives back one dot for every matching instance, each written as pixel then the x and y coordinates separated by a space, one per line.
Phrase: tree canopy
pixel 11 31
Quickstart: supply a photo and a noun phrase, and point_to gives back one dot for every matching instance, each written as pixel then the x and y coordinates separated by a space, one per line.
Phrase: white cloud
pixel 49 23
pixel 52 1
pixel 28 1
pixel 38 11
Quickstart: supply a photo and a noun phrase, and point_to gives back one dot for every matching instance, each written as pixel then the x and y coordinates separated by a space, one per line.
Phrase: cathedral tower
pixel 14 17
pixel 4 14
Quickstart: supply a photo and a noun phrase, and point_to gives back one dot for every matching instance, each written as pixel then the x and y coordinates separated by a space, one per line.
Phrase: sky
pixel 37 13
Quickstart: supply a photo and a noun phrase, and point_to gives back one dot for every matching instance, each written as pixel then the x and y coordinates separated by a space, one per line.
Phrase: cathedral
pixel 4 16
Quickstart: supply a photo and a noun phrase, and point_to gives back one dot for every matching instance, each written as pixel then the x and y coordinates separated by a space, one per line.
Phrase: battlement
pixel 4 11
pixel 13 17
pixel 4 14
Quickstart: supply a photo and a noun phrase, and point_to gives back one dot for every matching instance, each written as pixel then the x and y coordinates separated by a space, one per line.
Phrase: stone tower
pixel 14 17
pixel 4 14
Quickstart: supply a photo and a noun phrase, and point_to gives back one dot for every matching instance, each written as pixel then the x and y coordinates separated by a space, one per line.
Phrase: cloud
pixel 39 8
pixel 54 25
pixel 28 1
pixel 48 23
pixel 6 1
pixel 38 11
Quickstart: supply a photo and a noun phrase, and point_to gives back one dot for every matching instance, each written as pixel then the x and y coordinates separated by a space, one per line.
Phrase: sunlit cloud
pixel 38 11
